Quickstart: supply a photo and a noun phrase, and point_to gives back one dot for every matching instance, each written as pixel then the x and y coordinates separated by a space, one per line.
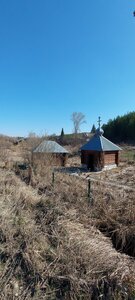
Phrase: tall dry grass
pixel 113 213
pixel 50 247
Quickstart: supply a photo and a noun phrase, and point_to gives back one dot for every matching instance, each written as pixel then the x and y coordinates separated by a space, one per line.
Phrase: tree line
pixel 121 129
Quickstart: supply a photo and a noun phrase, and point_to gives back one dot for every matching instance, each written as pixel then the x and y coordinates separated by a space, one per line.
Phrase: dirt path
pixel 109 181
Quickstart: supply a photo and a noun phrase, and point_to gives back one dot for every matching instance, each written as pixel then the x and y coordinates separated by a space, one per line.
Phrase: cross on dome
pixel 99 122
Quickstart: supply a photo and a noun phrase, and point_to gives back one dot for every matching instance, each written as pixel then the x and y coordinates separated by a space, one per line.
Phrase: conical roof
pixel 99 143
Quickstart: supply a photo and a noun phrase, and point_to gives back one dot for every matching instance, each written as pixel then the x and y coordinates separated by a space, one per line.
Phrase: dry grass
pixel 50 243
pixel 49 248
pixel 113 213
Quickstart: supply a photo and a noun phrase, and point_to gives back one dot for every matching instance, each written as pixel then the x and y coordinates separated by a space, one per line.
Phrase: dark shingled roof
pixel 50 147
pixel 100 143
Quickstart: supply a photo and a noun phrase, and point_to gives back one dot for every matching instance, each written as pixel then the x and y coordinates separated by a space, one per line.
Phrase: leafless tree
pixel 78 119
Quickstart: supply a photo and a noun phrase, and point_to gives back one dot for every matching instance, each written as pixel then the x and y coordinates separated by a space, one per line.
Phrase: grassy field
pixel 128 154
pixel 57 244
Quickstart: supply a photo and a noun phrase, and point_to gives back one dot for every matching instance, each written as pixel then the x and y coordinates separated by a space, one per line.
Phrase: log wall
pixel 109 158
pixel 49 159
pixel 100 158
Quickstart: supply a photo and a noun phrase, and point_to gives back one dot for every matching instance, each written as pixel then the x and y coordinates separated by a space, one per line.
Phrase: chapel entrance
pixel 90 164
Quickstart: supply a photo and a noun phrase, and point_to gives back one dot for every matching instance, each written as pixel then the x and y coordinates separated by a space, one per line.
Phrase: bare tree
pixel 78 119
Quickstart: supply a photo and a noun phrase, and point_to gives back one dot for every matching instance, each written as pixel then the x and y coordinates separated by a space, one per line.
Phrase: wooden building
pixel 99 153
pixel 49 153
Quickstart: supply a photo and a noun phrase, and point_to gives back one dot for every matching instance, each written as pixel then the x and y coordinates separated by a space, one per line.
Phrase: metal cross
pixel 99 122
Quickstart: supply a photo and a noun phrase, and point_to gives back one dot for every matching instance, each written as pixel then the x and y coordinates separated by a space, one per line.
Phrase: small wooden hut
pixel 50 153
pixel 99 153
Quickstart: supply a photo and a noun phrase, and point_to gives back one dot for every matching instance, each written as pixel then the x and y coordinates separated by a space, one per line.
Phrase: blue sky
pixel 62 56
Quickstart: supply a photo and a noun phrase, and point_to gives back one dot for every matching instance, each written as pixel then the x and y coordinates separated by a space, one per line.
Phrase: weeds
pixel 53 245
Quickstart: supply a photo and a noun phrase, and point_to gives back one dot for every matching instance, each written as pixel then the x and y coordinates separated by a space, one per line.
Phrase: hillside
pixel 121 129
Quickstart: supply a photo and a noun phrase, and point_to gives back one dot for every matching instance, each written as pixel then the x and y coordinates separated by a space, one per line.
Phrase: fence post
pixel 89 192
pixel 53 178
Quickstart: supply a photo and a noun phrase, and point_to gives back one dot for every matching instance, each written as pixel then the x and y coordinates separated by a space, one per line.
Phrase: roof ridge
pixel 101 142
pixel 111 142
